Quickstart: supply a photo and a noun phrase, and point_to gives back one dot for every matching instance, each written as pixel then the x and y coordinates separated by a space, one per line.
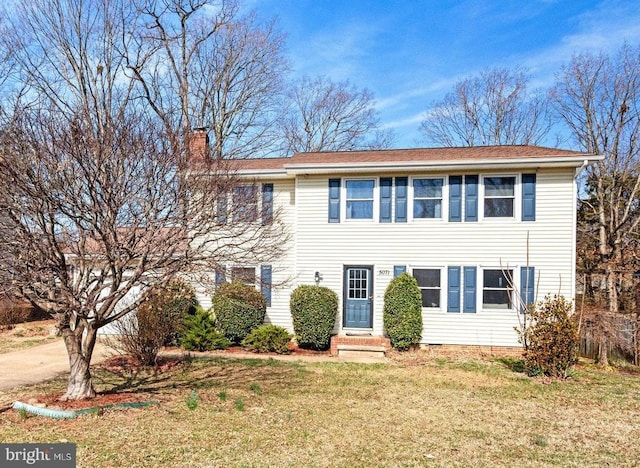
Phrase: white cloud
pixel 338 52
pixel 412 121
pixel 604 28
pixel 412 93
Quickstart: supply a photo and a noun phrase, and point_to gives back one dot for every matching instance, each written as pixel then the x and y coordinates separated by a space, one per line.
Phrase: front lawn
pixel 413 412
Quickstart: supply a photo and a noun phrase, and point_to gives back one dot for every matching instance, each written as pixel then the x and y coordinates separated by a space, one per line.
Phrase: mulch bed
pixel 127 363
pixel 293 350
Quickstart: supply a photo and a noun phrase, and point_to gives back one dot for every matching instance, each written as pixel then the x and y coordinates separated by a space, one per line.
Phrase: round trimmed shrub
pixel 268 339
pixel 314 310
pixel 402 313
pixel 238 309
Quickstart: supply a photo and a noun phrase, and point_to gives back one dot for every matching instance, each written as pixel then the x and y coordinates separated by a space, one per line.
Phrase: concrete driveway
pixel 39 363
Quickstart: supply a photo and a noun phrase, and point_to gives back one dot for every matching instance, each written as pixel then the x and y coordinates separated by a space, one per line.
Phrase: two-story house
pixel 477 227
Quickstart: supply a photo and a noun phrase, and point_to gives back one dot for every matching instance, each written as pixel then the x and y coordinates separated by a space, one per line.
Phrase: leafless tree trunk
pixel 494 108
pixel 327 116
pixel 597 97
pixel 97 204
pixel 80 350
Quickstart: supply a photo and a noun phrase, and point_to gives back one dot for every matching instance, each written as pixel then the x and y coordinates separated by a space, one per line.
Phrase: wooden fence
pixel 621 332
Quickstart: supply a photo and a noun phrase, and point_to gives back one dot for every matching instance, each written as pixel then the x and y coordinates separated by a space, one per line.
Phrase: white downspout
pixel 579 169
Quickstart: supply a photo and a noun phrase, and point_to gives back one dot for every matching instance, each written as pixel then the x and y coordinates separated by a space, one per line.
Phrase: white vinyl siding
pixel 327 247
pixel 320 246
pixel 282 270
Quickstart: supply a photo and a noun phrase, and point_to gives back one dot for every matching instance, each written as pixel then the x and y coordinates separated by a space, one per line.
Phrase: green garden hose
pixel 62 414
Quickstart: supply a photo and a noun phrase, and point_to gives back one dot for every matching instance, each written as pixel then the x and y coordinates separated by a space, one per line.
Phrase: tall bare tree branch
pixel 494 108
pixel 327 116
pixel 203 65
pixel 598 97
pixel 97 204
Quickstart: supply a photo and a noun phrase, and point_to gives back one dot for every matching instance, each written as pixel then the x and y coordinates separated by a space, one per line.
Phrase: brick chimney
pixel 198 146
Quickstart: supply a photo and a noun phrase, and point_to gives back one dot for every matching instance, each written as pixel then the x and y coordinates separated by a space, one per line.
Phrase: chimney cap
pixel 200 129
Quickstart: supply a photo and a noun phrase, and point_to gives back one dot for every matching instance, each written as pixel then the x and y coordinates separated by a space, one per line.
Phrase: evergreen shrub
pixel 314 310
pixel 199 333
pixel 402 313
pixel 238 309
pixel 268 338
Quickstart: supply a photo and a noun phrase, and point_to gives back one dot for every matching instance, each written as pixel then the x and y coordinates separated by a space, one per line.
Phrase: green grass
pixel 15 344
pixel 26 335
pixel 444 412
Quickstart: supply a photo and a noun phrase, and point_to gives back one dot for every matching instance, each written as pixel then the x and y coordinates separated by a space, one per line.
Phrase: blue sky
pixel 410 53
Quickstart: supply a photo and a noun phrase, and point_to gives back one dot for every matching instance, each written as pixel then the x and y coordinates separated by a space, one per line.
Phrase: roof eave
pixel 249 173
pixel 264 173
pixel 418 166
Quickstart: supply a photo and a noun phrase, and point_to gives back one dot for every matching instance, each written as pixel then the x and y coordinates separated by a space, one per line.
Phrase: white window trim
pixel 376 200
pixel 443 285
pixel 444 207
pixel 517 197
pixel 480 290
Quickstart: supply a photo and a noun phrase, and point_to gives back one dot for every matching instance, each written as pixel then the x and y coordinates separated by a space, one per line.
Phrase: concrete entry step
pixel 361 351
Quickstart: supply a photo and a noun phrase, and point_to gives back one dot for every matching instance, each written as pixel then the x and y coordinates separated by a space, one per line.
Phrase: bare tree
pixel 97 204
pixel 598 98
pixel 493 108
pixel 6 58
pixel 327 116
pixel 203 65
pixel 587 253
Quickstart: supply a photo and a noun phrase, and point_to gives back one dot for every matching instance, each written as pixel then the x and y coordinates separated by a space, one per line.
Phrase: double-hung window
pixel 427 198
pixel 360 198
pixel 245 203
pixel 429 283
pixel 499 197
pixel 497 289
pixel 244 275
pixel 248 276
pixel 240 204
pixel 468 198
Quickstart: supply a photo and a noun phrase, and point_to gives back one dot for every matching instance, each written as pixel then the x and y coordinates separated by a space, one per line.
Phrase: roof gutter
pixel 416 166
pixel 264 173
